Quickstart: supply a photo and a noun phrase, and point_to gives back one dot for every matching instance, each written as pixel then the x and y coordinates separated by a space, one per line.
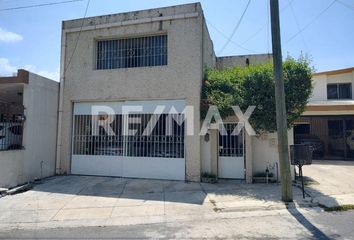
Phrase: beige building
pixel 138 61
pixel 328 122
pixel 28 128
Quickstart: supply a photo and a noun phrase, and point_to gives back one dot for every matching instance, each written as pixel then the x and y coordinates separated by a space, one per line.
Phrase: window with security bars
pixel 132 52
pixel 150 136
pixel 230 143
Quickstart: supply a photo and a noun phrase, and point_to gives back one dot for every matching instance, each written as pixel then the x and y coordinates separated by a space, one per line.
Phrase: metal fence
pixel 11 126
pixel 150 135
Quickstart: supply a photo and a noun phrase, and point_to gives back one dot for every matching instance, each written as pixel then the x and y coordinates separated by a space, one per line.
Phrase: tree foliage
pixel 254 86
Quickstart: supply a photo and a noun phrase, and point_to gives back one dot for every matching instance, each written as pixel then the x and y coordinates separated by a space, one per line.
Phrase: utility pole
pixel 282 129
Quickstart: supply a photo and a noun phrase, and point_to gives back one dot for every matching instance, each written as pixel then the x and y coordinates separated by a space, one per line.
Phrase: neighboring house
pixel 328 122
pixel 148 58
pixel 28 128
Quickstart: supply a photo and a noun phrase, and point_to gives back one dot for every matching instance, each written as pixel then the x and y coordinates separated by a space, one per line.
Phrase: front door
pixel 231 162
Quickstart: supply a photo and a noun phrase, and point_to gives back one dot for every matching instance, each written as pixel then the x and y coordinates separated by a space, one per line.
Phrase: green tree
pixel 254 86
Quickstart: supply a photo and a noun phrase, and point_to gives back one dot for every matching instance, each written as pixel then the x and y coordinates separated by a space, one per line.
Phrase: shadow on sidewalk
pixel 316 233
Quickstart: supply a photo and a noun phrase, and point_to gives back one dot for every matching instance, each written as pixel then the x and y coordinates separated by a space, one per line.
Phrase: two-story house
pixel 119 69
pixel 328 122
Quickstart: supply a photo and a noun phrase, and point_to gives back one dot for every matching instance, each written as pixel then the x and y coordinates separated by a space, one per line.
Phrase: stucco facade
pixel 242 60
pixel 329 115
pixel 190 52
pixel 319 104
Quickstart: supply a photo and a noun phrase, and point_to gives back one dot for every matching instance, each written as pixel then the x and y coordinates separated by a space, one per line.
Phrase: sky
pixel 323 29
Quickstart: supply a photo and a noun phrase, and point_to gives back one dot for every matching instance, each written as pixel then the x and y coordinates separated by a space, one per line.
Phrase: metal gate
pixel 231 162
pixel 153 149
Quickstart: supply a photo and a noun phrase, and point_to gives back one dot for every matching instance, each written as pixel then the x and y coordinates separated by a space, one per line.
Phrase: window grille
pixel 132 52
pixel 165 139
pixel 230 145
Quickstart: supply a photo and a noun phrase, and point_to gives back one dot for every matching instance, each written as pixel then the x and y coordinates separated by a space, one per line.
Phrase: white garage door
pixel 142 139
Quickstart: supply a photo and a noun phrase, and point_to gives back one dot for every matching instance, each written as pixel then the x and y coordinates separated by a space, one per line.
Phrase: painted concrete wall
pixel 265 152
pixel 40 99
pixel 180 79
pixel 319 83
pixel 11 170
pixel 37 159
pixel 319 92
pixel 210 152
pixel 232 61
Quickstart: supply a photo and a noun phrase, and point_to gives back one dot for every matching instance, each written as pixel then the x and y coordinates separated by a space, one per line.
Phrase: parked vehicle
pixel 10 136
pixel 312 140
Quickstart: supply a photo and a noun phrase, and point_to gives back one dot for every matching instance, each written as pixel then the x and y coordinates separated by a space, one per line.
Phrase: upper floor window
pixel 339 91
pixel 132 52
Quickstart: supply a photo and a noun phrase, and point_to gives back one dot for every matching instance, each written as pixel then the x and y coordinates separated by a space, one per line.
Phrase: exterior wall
pixel 11 170
pixel 40 99
pixel 249 157
pixel 210 152
pixel 180 79
pixel 232 61
pixel 209 58
pixel 265 152
pixel 37 159
pixel 319 92
pixel 320 81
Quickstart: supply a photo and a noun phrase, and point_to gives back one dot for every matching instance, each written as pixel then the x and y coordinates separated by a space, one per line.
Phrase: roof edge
pixel 22 77
pixel 334 72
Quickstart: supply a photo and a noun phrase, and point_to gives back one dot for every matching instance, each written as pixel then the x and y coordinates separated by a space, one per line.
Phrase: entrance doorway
pixel 231 162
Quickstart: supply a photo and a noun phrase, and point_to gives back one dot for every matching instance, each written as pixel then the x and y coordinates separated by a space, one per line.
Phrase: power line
pixel 346 5
pixel 264 25
pixel 312 21
pixel 236 27
pixel 39 5
pixel 226 37
pixel 298 26
pixel 78 37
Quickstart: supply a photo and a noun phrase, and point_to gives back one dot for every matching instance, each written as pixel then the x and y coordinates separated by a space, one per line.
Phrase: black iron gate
pixel 11 126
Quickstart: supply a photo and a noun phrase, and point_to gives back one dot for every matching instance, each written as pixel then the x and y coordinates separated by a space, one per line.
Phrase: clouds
pixel 7 69
pixel 9 37
pixel 48 74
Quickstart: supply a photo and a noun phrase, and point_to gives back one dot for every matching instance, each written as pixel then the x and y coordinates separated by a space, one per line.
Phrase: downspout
pixel 61 99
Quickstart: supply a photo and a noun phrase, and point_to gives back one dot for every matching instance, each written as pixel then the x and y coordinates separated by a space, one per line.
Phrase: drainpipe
pixel 61 93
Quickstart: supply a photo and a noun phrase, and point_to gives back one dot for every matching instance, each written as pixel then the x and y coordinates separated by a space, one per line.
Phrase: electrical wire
pixel 298 26
pixel 265 25
pixel 39 5
pixel 78 37
pixel 312 21
pixel 226 37
pixel 235 28
pixel 346 5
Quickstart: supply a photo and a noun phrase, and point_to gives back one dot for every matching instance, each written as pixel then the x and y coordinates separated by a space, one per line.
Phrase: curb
pixel 19 189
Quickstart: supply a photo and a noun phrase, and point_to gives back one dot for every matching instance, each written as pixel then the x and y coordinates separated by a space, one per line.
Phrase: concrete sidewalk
pixel 85 200
pixel 332 182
